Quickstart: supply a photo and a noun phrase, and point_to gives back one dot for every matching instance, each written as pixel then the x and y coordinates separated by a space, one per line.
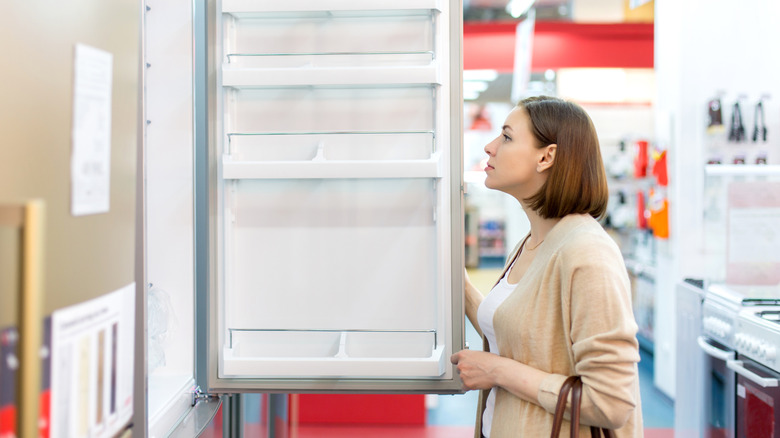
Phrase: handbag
pixel 574 384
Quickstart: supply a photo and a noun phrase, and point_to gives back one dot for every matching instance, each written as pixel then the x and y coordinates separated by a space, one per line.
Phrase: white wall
pixel 703 49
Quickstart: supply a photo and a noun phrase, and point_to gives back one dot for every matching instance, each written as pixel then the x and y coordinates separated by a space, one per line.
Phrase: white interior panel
pixel 333 254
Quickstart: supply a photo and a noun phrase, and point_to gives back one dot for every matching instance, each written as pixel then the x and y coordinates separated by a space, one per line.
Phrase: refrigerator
pixel 302 186
pixel 69 115
pixel 222 197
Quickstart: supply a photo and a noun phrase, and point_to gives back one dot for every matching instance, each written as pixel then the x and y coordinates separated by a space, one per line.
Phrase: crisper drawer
pixel 329 109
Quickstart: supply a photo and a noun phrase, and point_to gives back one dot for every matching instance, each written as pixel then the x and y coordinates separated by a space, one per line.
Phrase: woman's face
pixel 513 164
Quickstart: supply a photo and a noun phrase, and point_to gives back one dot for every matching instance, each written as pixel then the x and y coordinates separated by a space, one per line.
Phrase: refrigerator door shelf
pixel 307 74
pixel 331 145
pixel 293 109
pixel 333 353
pixel 430 168
pixel 238 6
pixel 323 33
pixel 332 59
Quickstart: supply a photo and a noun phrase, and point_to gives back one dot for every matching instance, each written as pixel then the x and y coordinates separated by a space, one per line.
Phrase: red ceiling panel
pixel 560 45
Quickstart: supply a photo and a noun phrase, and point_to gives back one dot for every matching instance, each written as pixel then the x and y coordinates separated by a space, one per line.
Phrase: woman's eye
pixel 506 138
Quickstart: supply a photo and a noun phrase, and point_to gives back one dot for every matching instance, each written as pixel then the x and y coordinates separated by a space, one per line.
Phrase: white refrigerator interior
pixel 338 232
pixel 169 204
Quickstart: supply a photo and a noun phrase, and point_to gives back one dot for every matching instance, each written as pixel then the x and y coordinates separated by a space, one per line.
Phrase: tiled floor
pixel 452 416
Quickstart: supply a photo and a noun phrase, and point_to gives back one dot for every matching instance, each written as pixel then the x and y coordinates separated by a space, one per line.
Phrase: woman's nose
pixel 490 147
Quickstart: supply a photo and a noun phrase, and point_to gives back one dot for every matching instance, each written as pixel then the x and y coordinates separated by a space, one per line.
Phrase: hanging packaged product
pixel 658 221
pixel 640 159
pixel 660 167
pixel 759 132
pixel 641 218
pixel 619 165
pixel 737 128
pixel 620 216
pixel 714 117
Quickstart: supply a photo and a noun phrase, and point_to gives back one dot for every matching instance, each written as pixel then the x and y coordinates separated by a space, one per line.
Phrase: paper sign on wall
pixel 753 233
pixel 92 366
pixel 91 134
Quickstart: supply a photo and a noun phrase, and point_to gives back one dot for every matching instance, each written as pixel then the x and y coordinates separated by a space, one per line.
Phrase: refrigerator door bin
pixel 332 146
pixel 328 32
pixel 362 61
pixel 336 353
pixel 233 6
pixel 328 109
pixel 234 76
pixel 429 168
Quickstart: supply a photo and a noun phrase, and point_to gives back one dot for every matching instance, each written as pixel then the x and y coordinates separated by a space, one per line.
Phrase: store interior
pixel 684 100
pixel 218 171
pixel 663 82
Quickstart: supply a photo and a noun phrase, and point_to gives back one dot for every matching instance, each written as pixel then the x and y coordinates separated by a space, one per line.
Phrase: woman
pixel 562 306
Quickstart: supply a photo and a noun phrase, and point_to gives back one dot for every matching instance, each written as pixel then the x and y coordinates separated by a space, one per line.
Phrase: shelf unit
pixel 337 141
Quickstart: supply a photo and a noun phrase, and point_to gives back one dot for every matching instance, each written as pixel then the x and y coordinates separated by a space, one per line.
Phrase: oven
pixel 718 404
pixel 757 366
pixel 719 390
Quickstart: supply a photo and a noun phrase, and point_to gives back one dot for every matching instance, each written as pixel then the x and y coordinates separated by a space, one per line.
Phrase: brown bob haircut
pixel 577 183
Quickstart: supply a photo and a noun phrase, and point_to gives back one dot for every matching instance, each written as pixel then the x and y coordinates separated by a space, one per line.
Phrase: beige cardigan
pixel 571 314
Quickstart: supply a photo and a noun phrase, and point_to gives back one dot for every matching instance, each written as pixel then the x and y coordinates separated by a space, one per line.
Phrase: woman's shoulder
pixel 584 237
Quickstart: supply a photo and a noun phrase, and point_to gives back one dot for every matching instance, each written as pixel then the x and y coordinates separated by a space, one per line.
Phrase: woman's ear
pixel 547 157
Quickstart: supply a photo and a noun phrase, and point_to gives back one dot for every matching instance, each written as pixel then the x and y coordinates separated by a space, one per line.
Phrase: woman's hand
pixel 476 368
pixel 481 370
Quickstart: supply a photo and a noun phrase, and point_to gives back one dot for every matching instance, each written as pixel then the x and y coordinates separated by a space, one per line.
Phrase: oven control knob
pixel 771 352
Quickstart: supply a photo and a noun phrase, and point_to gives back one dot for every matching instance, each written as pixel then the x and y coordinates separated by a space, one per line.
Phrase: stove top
pixel 757 335
pixel 744 295
pixel 769 315
pixel 723 303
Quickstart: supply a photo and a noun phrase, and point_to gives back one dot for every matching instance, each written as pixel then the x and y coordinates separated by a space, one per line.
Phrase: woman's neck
pixel 540 226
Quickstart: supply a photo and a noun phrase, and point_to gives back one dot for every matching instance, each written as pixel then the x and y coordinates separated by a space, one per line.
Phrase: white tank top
pixel 487 308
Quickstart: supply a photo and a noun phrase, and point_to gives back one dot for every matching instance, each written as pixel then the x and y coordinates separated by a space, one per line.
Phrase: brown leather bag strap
pixel 576 398
pixel 595 432
pixel 573 384
pixel 560 406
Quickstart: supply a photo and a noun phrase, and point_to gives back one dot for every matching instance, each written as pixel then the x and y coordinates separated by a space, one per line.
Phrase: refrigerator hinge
pixel 198 395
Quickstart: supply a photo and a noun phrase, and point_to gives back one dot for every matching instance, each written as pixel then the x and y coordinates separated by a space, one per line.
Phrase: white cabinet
pixel 336 230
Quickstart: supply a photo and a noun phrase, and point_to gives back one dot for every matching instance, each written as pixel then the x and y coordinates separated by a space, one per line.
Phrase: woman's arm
pixel 473 299
pixel 481 370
